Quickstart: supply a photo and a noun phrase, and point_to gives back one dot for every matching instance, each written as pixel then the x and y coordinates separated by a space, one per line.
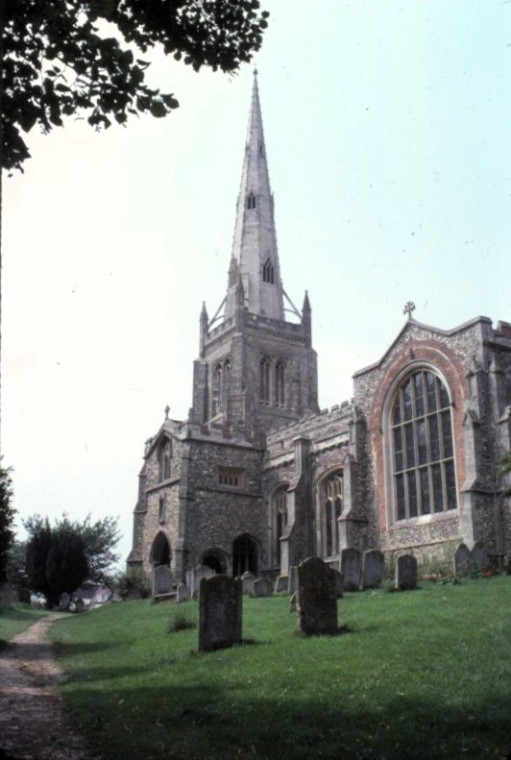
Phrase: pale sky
pixel 388 133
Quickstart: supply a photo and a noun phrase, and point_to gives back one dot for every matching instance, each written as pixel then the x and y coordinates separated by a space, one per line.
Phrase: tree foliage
pixel 99 539
pixel 56 561
pixel 7 513
pixel 67 57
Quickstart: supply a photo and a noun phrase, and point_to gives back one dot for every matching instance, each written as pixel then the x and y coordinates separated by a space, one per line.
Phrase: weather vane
pixel 409 308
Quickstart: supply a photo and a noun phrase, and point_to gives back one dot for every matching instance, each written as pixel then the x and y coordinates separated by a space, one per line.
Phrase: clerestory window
pixel 422 459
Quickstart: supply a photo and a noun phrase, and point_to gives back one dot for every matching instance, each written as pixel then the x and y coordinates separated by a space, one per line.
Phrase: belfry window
pixel 423 475
pixel 251 201
pixel 268 272
pixel 279 384
pixel 264 381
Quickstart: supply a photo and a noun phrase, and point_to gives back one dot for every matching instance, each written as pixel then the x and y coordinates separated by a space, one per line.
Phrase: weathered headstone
pixel 262 587
pixel 480 558
pixel 281 584
pixel 162 580
pixel 462 560
pixel 220 612
pixel 293 579
pixel 317 598
pixel 406 572
pixel 182 593
pixel 247 582
pixel 351 568
pixel 64 600
pixel 372 573
pixel 293 602
pixel 193 577
pixel 339 582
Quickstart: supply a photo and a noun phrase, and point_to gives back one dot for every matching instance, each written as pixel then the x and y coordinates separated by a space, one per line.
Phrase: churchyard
pixel 423 673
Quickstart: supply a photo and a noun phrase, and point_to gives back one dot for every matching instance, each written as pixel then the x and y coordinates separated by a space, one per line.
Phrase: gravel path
pixel 33 724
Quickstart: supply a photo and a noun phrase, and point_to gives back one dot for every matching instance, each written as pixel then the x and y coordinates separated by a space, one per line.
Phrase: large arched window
pixel 329 512
pixel 422 456
pixel 264 380
pixel 278 522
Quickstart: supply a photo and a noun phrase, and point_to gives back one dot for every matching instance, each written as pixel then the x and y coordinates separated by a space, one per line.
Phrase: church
pixel 258 478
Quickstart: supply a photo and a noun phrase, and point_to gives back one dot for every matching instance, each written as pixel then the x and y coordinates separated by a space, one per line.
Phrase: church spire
pixel 255 240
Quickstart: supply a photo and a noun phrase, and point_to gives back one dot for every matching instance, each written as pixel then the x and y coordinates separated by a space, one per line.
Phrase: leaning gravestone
pixel 372 573
pixel 339 582
pixel 247 582
pixel 220 610
pixel 182 593
pixel 262 587
pixel 293 576
pixel 193 577
pixel 406 572
pixel 64 600
pixel 317 598
pixel 462 560
pixel 162 580
pixel 281 584
pixel 351 568
pixel 480 559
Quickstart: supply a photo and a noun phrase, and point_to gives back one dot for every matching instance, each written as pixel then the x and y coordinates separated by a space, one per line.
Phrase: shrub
pixel 132 582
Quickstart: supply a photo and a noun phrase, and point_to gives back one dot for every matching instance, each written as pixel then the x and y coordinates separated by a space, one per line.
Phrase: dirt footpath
pixel 33 725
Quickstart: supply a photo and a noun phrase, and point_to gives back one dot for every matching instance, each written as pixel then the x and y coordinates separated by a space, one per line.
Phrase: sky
pixel 388 135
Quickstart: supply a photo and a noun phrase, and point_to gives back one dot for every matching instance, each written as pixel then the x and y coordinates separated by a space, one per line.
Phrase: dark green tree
pixel 99 539
pixel 7 513
pixel 76 57
pixel 56 561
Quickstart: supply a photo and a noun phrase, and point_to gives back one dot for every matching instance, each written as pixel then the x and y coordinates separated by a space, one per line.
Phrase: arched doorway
pixel 160 550
pixel 244 555
pixel 215 559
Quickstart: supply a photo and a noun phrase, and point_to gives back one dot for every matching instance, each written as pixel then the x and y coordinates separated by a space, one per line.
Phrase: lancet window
pixel 268 272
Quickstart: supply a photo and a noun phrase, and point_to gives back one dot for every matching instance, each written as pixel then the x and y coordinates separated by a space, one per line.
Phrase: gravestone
pixel 372 573
pixel 317 598
pixel 64 600
pixel 351 568
pixel 220 611
pixel 193 577
pixel 339 582
pixel 281 584
pixel 262 587
pixel 247 582
pixel 162 580
pixel 406 572
pixel 293 602
pixel 182 593
pixel 480 559
pixel 462 560
pixel 293 579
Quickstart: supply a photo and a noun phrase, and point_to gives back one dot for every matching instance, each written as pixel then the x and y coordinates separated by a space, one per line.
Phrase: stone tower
pixel 256 371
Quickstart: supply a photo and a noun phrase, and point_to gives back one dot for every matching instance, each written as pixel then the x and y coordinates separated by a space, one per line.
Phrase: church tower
pixel 256 370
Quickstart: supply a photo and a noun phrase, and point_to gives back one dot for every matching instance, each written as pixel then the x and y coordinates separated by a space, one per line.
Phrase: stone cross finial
pixel 167 410
pixel 409 308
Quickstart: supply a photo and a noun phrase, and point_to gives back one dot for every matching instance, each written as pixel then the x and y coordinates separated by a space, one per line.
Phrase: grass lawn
pixel 422 675
pixel 15 618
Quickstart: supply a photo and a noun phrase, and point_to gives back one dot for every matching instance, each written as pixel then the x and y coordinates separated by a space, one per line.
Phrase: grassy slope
pixel 423 674
pixel 16 618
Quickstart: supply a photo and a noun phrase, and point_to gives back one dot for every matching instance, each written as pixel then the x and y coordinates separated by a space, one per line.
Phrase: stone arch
pixel 245 555
pixel 329 506
pixel 160 550
pixel 216 559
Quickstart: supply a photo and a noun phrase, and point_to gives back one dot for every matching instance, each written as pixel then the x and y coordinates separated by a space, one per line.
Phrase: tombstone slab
pixel 317 598
pixel 220 612
pixel 162 580
pixel 406 572
pixel 281 584
pixel 182 593
pixel 247 582
pixel 462 560
pixel 372 572
pixel 262 587
pixel 351 568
